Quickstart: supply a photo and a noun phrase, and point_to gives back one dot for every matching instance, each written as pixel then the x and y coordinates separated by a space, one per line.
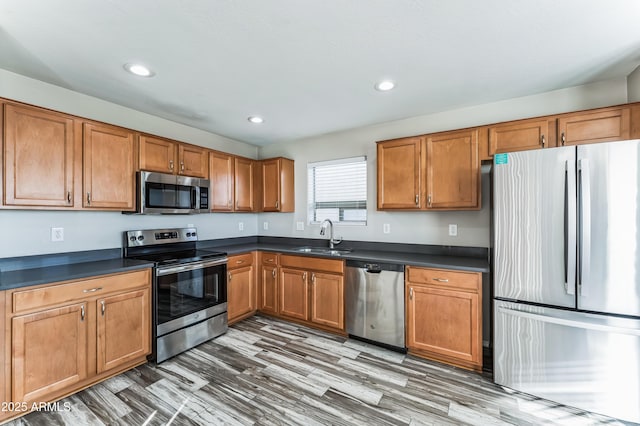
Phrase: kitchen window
pixel 338 191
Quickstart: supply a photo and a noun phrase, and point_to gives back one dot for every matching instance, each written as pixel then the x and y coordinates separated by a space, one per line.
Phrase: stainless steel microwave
pixel 161 193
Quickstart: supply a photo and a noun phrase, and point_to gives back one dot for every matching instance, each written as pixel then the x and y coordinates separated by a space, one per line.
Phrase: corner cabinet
pixel 241 287
pixel 88 329
pixel 444 315
pixel 277 185
pixel 312 290
pixel 439 171
pixel 109 165
pixel 40 154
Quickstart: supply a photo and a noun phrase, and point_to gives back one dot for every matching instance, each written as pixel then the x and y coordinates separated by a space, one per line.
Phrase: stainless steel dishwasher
pixel 375 303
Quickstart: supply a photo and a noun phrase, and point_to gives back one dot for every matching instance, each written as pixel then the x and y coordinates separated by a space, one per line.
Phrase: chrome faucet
pixel 323 228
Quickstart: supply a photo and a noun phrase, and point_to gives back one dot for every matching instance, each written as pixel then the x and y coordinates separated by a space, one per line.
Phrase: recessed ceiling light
pixel 255 119
pixel 139 70
pixel 385 85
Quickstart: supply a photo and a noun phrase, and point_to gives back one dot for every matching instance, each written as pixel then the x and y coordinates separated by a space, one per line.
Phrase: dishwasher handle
pixel 373 266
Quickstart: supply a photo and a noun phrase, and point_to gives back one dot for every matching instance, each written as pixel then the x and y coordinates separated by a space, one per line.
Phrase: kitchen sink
pixel 322 250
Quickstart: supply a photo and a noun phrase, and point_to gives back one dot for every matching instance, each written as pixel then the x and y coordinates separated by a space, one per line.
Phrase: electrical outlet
pixel 265 226
pixel 299 226
pixel 240 226
pixel 453 230
pixel 57 234
pixel 386 228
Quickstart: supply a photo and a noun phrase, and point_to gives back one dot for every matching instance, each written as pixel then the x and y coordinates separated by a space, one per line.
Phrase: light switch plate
pixel 453 230
pixel 240 226
pixel 57 234
pixel 386 228
pixel 299 226
pixel 265 225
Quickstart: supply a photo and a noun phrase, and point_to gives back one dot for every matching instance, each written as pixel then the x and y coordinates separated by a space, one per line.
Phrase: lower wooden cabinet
pixel 241 287
pixel 444 315
pixel 312 290
pixel 63 337
pixel 268 283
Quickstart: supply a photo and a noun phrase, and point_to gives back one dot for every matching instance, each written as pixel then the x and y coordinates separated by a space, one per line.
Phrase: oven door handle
pixel 189 266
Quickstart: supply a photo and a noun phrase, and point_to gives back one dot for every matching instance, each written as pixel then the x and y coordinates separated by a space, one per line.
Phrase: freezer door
pixel 534 226
pixel 609 227
pixel 583 360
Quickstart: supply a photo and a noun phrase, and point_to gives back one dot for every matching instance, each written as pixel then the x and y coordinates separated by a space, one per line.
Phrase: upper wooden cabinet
pixel 522 135
pixel 232 182
pixel 109 166
pixel 167 156
pixel 400 174
pixel 277 185
pixel 440 171
pixel 602 125
pixel 453 170
pixel 40 154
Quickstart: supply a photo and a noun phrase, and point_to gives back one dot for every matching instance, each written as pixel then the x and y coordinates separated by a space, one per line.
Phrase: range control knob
pixel 188 234
pixel 140 237
pixel 132 238
pixel 193 234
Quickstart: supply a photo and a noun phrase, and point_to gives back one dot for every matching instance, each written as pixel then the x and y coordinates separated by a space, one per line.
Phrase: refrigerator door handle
pixel 584 324
pixel 584 236
pixel 569 227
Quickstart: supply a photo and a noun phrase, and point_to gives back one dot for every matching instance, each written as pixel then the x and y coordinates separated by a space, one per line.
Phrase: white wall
pixel 28 232
pixel 421 227
pixel 633 86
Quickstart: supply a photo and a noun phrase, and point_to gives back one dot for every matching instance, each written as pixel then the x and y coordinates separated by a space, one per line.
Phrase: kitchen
pixel 28 232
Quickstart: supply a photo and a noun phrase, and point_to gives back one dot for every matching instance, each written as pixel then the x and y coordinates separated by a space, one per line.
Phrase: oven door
pixel 189 293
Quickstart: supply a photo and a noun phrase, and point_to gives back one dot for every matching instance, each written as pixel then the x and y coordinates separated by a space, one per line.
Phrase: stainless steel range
pixel 190 288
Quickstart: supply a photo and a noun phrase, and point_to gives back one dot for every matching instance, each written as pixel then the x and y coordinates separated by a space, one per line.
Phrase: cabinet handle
pixel 411 293
pixel 182 166
pixel 229 276
pixel 273 273
pixel 238 262
pixel 229 203
pixel 269 260
pixel 88 198
pixel 92 290
pixel 429 200
pixel 82 313
pixel 103 307
pixel 417 200
pixel 304 276
pixel 313 277
pixel 441 280
pixel 170 164
pixel 69 197
pixel 277 204
pixel 237 204
pixel 542 139
pixel 563 139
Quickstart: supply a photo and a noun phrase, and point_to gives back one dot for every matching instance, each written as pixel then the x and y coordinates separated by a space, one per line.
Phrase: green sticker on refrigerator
pixel 501 158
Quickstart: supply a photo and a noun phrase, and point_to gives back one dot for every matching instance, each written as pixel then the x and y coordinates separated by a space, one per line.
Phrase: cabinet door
pixel 241 293
pixel 124 328
pixel 294 293
pixel 270 185
pixel 221 175
pixel 194 161
pixel 244 169
pixel 39 157
pixel 444 322
pixel 109 167
pixel 400 174
pixel 157 155
pixel 268 289
pixel 521 135
pixel 327 296
pixel 48 352
pixel 453 170
pixel 604 125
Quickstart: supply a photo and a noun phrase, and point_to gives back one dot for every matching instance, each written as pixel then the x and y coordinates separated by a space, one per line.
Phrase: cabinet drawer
pixel 42 297
pixel 444 278
pixel 313 263
pixel 240 261
pixel 269 258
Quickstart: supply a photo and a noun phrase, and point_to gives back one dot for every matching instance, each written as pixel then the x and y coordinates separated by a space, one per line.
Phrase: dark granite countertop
pixel 56 273
pixel 462 263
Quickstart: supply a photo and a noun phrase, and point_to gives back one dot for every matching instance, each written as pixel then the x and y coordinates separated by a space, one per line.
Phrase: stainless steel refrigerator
pixel 566 226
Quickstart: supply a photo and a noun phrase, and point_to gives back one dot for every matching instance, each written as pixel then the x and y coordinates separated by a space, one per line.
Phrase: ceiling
pixel 309 67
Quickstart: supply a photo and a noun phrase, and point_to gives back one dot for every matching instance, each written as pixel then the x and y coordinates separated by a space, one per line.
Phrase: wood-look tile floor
pixel 266 371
